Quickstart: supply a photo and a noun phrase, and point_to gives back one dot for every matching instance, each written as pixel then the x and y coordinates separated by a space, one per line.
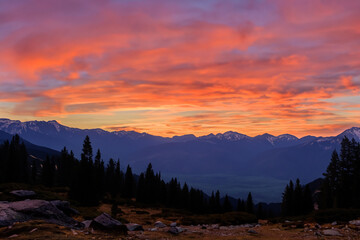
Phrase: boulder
pixel 8 216
pixel 21 211
pixel 252 231
pixel 106 222
pixel 176 230
pixel 159 224
pixel 23 193
pixel 65 207
pixel 87 223
pixel 134 227
pixel 355 222
pixel 331 232
pixel 173 224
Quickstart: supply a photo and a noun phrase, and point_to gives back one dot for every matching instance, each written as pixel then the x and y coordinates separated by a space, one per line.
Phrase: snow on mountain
pixel 130 134
pixel 287 137
pixel 231 136
pixel 55 124
pixel 351 133
pixel 266 137
pixel 184 138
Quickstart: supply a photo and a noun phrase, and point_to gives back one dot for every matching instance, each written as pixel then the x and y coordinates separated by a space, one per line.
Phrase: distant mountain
pixel 33 150
pixel 280 157
pixel 56 136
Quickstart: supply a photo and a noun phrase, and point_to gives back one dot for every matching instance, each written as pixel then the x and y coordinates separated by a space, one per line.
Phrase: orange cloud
pixel 187 67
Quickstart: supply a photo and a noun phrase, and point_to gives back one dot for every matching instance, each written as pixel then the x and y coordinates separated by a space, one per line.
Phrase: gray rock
pixel 87 223
pixel 252 231
pixel 214 226
pixel 334 223
pixel 21 211
pixel 176 230
pixel 159 224
pixel 106 222
pixel 355 222
pixel 247 225
pixel 134 227
pixel 65 207
pixel 173 224
pixel 23 193
pixel 8 216
pixel 331 232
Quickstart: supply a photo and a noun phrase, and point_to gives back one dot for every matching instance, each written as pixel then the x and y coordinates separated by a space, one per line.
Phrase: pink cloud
pixel 278 61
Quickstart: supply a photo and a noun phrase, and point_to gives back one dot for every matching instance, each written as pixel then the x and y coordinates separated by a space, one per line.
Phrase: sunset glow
pixel 183 67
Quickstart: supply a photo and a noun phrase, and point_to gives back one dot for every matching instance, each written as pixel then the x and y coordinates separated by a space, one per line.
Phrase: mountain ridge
pixel 265 157
pixel 5 122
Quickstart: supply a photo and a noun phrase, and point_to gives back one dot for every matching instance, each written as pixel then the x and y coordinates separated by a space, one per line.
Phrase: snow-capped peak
pixel 353 132
pixel 131 134
pixel 55 124
pixel 4 122
pixel 231 136
pixel 287 137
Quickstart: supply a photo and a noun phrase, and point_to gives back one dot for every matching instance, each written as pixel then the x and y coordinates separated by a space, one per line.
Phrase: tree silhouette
pixel 249 204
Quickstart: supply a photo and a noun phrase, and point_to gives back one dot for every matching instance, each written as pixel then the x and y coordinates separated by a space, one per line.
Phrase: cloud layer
pixel 177 67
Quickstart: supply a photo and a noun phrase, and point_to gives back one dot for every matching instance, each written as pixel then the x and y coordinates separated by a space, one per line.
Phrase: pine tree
pixel 249 204
pixel 345 174
pixel 141 187
pixel 260 212
pixel 99 177
pixel 212 203
pixel 47 176
pixel 239 206
pixel 297 207
pixel 83 187
pixel 332 177
pixel 185 196
pixel 129 183
pixel 308 205
pixel 217 202
pixel 110 178
pixel 119 178
pixel 227 207
pixel 287 200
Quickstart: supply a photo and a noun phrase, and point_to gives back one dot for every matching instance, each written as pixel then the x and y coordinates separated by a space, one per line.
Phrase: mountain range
pixel 213 159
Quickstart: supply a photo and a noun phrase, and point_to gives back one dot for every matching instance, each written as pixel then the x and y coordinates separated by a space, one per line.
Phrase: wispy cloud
pixel 250 66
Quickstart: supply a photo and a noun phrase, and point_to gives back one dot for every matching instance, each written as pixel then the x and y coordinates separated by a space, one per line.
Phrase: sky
pixel 183 67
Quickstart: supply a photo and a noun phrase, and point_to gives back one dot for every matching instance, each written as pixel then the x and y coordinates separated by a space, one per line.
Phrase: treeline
pixel 13 161
pixel 296 200
pixel 90 180
pixel 341 187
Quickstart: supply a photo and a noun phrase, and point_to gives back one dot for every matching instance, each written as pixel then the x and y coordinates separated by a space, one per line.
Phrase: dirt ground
pixel 147 217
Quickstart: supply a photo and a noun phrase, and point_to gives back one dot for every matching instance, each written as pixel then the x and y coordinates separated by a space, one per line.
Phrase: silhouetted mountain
pixel 34 151
pixel 278 157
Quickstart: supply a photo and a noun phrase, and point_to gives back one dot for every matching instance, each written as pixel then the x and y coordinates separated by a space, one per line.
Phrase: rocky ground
pixel 44 230
pixel 41 219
